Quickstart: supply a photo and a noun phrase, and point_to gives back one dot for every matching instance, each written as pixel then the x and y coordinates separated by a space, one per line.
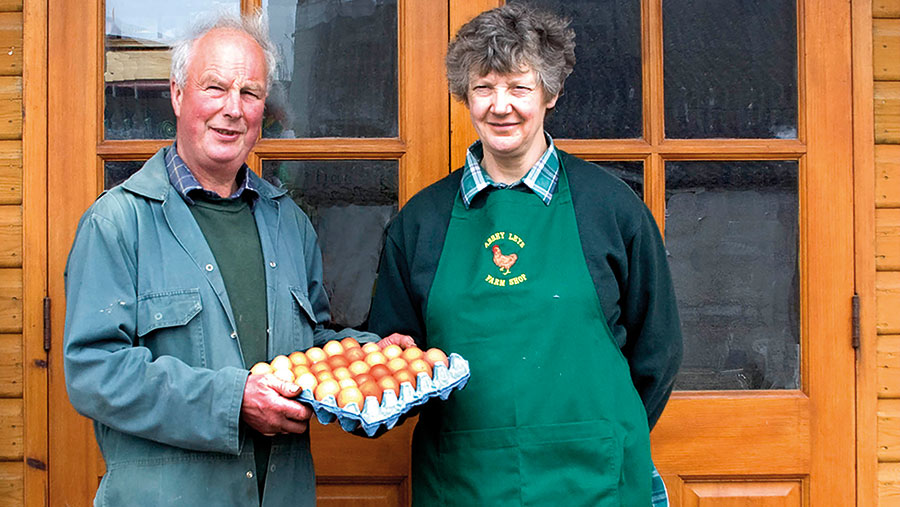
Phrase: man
pixel 182 278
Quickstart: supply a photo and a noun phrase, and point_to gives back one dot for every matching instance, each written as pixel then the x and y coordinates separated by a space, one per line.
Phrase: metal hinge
pixel 855 322
pixel 47 324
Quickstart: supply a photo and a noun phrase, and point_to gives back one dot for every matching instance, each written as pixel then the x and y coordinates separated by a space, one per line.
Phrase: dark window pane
pixel 338 76
pixel 602 96
pixel 349 203
pixel 115 172
pixel 732 238
pixel 136 76
pixel 632 173
pixel 730 68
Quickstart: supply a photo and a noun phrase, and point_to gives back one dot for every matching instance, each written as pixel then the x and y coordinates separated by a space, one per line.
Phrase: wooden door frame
pixel 34 260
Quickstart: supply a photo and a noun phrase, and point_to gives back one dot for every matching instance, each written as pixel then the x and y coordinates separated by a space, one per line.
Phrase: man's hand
pixel 405 341
pixel 267 409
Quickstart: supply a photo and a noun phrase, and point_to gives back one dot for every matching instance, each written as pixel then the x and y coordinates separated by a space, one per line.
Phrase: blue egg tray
pixel 393 406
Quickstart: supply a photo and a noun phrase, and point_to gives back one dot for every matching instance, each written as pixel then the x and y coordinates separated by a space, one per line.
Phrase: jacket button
pixel 209 267
pixel 249 474
pixel 272 264
pixel 272 468
pixel 234 334
pixel 158 316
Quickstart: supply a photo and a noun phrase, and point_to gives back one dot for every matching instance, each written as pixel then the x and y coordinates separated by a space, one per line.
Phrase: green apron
pixel 550 413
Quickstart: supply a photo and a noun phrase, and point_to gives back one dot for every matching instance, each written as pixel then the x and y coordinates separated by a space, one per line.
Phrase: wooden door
pixel 353 133
pixel 733 119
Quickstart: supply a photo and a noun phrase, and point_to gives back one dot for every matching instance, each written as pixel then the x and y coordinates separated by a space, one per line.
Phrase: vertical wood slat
pixel 887 112
pixel 10 300
pixel 10 366
pixel 887 176
pixel 10 236
pixel 886 49
pixel 888 365
pixel 10 172
pixel 11 484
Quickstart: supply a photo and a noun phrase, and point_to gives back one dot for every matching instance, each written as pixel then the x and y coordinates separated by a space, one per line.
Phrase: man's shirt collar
pixel 185 183
pixel 542 178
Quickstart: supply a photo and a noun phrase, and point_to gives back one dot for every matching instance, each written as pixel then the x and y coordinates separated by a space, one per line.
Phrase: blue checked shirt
pixel 542 178
pixel 185 183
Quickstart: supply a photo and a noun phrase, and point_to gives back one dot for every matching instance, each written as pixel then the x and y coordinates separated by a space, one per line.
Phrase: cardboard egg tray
pixel 374 416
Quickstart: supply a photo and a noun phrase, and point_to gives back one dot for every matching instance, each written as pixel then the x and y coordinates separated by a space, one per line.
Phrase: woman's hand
pixel 404 341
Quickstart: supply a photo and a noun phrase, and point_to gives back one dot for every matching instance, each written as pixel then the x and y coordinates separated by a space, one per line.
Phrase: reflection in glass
pixel 730 68
pixel 338 76
pixel 602 97
pixel 732 235
pixel 117 171
pixel 632 173
pixel 349 203
pixel 138 35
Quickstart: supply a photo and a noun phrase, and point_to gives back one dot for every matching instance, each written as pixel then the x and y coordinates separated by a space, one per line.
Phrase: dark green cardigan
pixel 624 252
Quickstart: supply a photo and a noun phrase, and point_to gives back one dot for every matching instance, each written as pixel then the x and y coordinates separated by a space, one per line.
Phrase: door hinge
pixel 47 335
pixel 855 322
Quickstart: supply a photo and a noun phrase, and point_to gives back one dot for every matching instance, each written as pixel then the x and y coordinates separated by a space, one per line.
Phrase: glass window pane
pixel 338 76
pixel 138 35
pixel 602 97
pixel 632 173
pixel 730 68
pixel 349 203
pixel 732 235
pixel 116 171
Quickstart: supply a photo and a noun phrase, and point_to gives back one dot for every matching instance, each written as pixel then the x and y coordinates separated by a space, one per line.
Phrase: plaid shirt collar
pixel 185 183
pixel 542 178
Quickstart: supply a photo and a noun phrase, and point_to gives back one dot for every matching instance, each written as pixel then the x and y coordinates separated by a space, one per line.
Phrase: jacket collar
pixel 152 181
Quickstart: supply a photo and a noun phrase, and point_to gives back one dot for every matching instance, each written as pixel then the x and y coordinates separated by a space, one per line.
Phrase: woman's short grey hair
pixel 510 39
pixel 254 25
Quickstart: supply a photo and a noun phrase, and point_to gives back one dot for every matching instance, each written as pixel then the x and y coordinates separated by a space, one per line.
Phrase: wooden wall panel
pixel 886 8
pixel 11 429
pixel 886 49
pixel 887 175
pixel 10 366
pixel 888 484
pixel 887 112
pixel 887 290
pixel 10 5
pixel 887 239
pixel 10 236
pixel 11 44
pixel 10 172
pixel 11 484
pixel 889 430
pixel 888 364
pixel 10 300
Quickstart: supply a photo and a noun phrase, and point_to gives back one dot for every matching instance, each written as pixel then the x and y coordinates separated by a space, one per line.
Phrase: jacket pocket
pixel 166 325
pixel 167 309
pixel 305 307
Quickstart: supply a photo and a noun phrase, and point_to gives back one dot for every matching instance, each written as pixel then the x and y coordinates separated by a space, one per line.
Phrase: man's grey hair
pixel 254 25
pixel 508 40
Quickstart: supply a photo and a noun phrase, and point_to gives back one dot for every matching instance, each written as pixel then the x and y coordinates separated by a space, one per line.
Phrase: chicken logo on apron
pixel 504 248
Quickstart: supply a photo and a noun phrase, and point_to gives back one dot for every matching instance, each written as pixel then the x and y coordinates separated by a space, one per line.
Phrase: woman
pixel 549 275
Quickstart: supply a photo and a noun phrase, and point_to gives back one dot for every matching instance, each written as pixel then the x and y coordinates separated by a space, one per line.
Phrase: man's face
pixel 220 108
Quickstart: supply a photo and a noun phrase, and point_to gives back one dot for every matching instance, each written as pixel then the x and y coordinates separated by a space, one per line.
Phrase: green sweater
pixel 623 249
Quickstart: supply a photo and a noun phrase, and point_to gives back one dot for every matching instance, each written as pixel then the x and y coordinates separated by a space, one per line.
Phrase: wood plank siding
pixel 886 95
pixel 12 418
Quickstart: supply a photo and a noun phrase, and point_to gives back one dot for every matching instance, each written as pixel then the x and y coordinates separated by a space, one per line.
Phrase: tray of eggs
pixel 366 386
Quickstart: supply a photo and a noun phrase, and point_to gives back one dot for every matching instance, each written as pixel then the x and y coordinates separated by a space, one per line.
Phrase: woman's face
pixel 508 112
